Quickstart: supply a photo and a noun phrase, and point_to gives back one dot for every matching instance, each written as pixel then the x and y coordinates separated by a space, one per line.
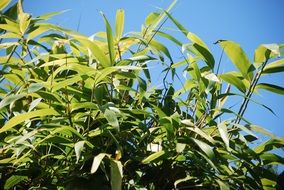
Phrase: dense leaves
pixel 83 112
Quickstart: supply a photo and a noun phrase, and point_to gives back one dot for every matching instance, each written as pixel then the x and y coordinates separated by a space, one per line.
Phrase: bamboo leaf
pixel 4 3
pixel 24 22
pixel 231 78
pixel 153 157
pixel 110 41
pixel 265 52
pixel 224 134
pixel 274 67
pixel 10 99
pixel 222 185
pixel 14 180
pixel 116 174
pixel 271 87
pixel 111 118
pixel 238 58
pixel 119 24
pixel 156 21
pixel 26 116
pixel 160 47
pixel 97 161
pixel 78 149
pixel 205 148
pixel 51 14
pixel 269 145
pixel 202 49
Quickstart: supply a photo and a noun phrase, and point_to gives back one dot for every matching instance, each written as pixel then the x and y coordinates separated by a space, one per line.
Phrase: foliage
pixel 82 112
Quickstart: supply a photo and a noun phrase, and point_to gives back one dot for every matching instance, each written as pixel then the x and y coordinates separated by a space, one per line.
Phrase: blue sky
pixel 249 23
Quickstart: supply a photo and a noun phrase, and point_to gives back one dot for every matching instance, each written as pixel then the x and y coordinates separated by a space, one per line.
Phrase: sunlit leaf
pixel 110 41
pixel 119 23
pixel 271 87
pixel 231 78
pixel 25 116
pixel 4 4
pixel 10 99
pixel 238 57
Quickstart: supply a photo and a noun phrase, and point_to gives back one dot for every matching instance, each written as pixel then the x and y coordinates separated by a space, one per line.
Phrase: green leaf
pixel 269 145
pixel 222 185
pixel 34 87
pixel 224 134
pixel 78 149
pixel 10 99
pixel 119 23
pixel 270 158
pixel 151 18
pixel 238 57
pixel 271 87
pixel 111 118
pixel 169 37
pixel 156 21
pixel 231 78
pixel 8 27
pixel 202 49
pixel 180 27
pixel 187 178
pixel 4 3
pixel 95 50
pixel 153 157
pixel 26 116
pixel 205 148
pixel 116 174
pixel 24 22
pixel 265 52
pixel 14 180
pixel 274 67
pixel 160 47
pixel 110 42
pixel 51 14
pixel 97 161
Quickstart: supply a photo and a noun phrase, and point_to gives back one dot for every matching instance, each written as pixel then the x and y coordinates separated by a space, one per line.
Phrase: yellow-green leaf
pixel 231 78
pixel 4 3
pixel 110 42
pixel 119 25
pixel 26 116
pixel 238 58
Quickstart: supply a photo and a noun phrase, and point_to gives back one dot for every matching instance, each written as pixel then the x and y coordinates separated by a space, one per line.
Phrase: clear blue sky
pixel 249 23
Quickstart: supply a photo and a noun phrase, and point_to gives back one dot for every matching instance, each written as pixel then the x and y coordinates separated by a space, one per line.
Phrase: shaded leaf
pixel 97 161
pixel 116 174
pixel 153 157
pixel 205 148
pixel 14 180
pixel 78 149
pixel 111 118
